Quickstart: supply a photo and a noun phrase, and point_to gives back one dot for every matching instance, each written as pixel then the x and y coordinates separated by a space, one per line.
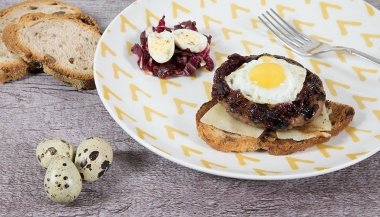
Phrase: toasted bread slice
pixel 63 44
pixel 12 67
pixel 220 140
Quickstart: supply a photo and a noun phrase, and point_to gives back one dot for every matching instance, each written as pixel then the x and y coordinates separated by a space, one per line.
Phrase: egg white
pixel 161 46
pixel 287 92
pixel 187 38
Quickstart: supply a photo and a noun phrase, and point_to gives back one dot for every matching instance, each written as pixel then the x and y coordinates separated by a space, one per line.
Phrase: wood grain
pixel 140 183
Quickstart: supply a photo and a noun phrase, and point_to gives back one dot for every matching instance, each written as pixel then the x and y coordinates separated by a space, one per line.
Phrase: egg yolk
pixel 267 75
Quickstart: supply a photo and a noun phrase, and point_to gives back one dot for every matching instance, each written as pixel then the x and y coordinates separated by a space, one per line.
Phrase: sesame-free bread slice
pixel 340 118
pixel 12 67
pixel 63 44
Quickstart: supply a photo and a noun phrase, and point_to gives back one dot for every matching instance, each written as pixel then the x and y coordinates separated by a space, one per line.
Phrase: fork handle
pixel 363 55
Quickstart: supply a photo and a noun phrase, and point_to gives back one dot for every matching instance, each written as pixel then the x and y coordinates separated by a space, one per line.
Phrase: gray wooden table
pixel 141 183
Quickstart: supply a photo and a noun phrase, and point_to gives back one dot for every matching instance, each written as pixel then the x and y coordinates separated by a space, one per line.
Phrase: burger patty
pixel 281 116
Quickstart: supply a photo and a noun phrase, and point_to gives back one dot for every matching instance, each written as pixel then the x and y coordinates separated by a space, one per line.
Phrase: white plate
pixel 160 114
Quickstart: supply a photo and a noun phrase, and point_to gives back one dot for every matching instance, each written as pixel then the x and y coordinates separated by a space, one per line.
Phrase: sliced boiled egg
pixel 268 80
pixel 161 46
pixel 186 38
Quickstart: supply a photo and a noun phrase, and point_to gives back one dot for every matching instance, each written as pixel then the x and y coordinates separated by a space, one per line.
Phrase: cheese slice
pixel 310 130
pixel 219 118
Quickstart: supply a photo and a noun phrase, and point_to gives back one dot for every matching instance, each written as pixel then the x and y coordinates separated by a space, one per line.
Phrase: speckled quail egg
pixel 51 148
pixel 93 158
pixel 62 182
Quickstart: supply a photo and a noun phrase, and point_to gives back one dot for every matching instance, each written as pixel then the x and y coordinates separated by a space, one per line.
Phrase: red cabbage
pixel 183 62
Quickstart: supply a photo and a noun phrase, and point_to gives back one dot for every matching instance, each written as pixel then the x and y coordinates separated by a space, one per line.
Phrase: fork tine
pixel 288 27
pixel 279 33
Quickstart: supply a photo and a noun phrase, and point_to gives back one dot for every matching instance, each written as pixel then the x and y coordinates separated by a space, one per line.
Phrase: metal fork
pixel 301 43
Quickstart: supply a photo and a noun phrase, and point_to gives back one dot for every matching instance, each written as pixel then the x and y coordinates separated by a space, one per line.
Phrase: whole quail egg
pixel 93 158
pixel 51 148
pixel 62 181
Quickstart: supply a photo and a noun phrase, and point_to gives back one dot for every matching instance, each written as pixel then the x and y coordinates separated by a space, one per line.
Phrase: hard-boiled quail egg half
pixel 268 80
pixel 161 45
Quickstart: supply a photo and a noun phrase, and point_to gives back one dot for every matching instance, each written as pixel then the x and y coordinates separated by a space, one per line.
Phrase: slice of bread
pixel 220 140
pixel 63 44
pixel 12 67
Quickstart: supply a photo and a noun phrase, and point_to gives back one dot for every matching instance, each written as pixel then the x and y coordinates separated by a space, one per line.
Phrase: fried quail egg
pixel 268 80
pixel 161 46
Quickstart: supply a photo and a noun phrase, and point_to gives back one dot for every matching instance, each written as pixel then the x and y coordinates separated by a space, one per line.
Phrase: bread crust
pixel 15 45
pixel 340 118
pixel 13 67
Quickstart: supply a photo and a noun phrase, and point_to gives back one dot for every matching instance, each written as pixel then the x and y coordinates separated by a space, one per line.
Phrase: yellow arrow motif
pixel 104 49
pixel 235 7
pixel 186 150
pixel 263 2
pixel 161 150
pixel 316 63
pixel 271 36
pixel 129 47
pixel 177 7
pixel 330 84
pixel 354 156
pixel 179 102
pixel 307 1
pixel 120 113
pixel 340 54
pixel 321 168
pixel 208 19
pixel 172 130
pixel 324 6
pixel 360 99
pixel 255 23
pixel 282 8
pixel 207 86
pixel 141 134
pixel 242 158
pixel 208 164
pixel 125 21
pixel 377 113
pixel 293 162
pixel 220 57
pixel 367 38
pixel 298 24
pixel 164 82
pixel 352 130
pixel 377 137
pixel 247 44
pixel 320 38
pixel 263 172
pixel 322 148
pixel 117 69
pixel 343 23
pixel 370 10
pixel 150 15
pixel 107 92
pixel 227 31
pixel 203 3
pixel 134 90
pixel 360 71
pixel 98 73
pixel 148 113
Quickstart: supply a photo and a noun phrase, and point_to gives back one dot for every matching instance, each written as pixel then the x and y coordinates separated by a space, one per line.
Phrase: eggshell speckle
pixel 62 181
pixel 93 158
pixel 51 148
